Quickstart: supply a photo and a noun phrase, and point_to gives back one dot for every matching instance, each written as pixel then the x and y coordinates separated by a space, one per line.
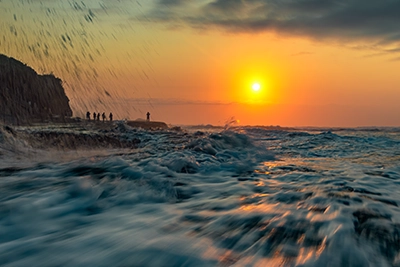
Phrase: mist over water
pixel 202 197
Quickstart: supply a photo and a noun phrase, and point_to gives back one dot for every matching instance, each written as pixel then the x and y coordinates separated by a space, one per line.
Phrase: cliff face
pixel 28 97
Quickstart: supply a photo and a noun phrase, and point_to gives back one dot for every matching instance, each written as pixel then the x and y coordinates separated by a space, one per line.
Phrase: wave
pixel 244 196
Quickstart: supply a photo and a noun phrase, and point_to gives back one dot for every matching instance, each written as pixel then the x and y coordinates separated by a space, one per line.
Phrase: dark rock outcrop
pixel 27 97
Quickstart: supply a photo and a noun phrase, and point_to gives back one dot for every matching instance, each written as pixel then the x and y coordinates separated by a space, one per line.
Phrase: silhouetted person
pixel 94 116
pixel 88 115
pixel 111 116
pixel 148 116
pixel 98 116
pixel 103 116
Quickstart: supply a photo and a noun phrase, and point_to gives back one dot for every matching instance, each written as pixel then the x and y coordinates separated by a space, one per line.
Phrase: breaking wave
pixel 248 196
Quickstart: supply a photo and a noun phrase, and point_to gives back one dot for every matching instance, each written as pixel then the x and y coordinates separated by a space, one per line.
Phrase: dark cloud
pixel 225 6
pixel 371 21
pixel 171 2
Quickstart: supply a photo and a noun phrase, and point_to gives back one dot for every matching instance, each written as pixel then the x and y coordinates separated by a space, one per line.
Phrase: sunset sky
pixel 318 63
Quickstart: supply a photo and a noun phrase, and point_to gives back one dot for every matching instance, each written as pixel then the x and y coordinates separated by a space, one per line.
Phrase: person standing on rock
pixel 94 116
pixel 148 116
pixel 111 116
pixel 98 116
pixel 88 116
pixel 103 116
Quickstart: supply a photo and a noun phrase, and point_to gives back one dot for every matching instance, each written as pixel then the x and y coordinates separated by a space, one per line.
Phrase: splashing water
pixel 244 197
pixel 101 50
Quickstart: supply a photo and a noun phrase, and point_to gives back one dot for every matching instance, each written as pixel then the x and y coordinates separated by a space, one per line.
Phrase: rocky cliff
pixel 27 97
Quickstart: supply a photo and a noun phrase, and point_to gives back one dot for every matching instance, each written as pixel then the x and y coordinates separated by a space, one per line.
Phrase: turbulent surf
pixel 73 195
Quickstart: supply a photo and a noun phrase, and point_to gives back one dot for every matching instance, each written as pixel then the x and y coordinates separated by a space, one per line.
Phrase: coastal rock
pixel 148 125
pixel 26 96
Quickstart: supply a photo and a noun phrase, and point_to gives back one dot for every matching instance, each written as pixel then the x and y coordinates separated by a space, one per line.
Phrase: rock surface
pixel 148 124
pixel 82 135
pixel 26 96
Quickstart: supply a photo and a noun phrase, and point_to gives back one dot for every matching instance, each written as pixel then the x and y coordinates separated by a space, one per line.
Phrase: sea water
pixel 203 196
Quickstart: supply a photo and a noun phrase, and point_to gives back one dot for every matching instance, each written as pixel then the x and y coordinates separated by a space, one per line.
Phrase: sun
pixel 256 87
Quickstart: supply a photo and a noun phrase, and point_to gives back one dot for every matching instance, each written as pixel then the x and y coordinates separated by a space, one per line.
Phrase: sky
pixel 320 63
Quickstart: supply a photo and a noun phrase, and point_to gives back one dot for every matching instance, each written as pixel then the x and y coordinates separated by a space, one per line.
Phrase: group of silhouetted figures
pixel 96 116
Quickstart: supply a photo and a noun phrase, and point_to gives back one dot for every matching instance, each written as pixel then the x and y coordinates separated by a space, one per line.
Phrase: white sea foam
pixel 243 197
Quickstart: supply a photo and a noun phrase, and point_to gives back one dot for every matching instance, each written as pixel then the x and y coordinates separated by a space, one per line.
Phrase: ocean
pixel 199 196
